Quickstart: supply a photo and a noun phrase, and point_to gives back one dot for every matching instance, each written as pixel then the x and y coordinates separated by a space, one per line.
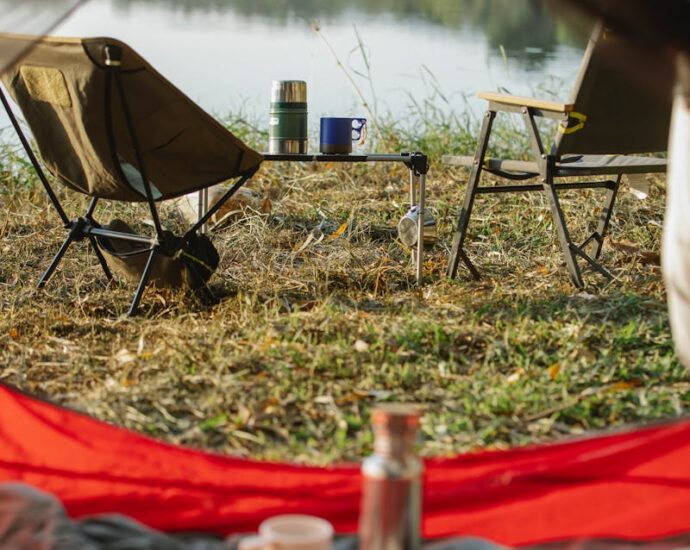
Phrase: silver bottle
pixel 392 493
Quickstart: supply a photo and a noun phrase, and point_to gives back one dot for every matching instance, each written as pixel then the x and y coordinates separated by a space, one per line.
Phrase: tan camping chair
pixel 108 125
pixel 611 117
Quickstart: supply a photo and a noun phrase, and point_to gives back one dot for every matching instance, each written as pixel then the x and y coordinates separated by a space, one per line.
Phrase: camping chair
pixel 108 125
pixel 611 117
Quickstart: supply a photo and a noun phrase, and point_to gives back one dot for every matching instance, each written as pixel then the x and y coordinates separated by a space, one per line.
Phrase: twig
pixel 365 58
pixel 317 29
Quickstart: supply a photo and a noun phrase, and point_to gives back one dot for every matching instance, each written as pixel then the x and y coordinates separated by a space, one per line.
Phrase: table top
pixel 333 157
pixel 418 162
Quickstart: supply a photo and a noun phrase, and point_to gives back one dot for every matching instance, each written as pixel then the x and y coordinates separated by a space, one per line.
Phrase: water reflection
pixel 520 29
pixel 423 56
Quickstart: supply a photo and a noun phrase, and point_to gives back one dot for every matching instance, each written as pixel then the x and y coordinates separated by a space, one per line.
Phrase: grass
pixel 308 338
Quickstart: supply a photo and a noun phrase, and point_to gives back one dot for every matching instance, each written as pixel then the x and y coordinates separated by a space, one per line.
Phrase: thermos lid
pixel 396 417
pixel 395 429
pixel 289 91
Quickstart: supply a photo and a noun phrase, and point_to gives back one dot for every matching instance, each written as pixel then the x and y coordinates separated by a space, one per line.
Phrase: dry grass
pixel 273 370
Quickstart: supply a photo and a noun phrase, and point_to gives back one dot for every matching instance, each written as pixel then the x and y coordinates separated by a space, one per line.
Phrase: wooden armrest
pixel 517 101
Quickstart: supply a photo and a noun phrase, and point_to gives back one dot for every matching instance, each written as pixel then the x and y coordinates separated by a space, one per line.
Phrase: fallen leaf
pixel 337 233
pixel 623 385
pixel 553 371
pixel 266 206
pixel 324 399
pixel 361 346
pixel 125 356
pixel 269 342
pixel 515 376
pixel 350 397
pixel 305 244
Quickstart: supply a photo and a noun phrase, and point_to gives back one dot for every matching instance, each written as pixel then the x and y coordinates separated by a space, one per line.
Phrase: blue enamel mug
pixel 338 133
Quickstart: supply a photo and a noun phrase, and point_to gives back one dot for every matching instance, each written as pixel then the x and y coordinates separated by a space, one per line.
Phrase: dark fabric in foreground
pixel 631 485
pixel 33 520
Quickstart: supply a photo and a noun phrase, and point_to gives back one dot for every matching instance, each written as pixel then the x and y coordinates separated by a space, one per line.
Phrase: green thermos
pixel 287 126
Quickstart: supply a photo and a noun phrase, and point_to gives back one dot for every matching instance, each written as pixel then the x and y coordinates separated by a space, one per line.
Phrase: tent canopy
pixel 633 484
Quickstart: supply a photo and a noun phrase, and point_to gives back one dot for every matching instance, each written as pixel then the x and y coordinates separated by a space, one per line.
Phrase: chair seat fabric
pixel 572 165
pixel 74 108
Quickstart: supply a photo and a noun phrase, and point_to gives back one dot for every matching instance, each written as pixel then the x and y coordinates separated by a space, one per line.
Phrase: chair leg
pixel 457 252
pixel 56 260
pixel 101 259
pixel 133 308
pixel 208 298
pixel 202 291
pixel 596 266
pixel 605 216
pixel 562 230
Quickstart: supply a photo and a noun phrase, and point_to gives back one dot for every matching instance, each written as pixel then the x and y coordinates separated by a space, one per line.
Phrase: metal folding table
pixel 417 164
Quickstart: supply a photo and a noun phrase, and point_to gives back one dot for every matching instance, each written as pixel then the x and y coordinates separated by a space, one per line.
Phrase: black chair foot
pixel 134 307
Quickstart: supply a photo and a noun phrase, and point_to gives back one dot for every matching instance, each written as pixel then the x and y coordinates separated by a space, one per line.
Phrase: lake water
pixel 225 53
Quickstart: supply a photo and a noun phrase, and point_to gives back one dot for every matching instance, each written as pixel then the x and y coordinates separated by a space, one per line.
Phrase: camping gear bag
pixel 188 262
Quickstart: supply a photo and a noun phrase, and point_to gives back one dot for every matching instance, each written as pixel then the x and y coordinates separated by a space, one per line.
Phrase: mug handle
pixel 359 130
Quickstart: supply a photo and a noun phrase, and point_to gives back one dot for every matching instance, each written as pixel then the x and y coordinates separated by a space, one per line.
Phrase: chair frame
pixel 86 227
pixel 548 171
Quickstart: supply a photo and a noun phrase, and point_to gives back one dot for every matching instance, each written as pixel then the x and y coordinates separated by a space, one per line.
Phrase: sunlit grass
pixel 304 343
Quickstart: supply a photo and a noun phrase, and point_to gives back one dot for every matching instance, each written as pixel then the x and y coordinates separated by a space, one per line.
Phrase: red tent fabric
pixel 631 485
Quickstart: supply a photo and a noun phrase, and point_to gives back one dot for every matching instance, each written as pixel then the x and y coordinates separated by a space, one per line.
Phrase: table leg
pixel 203 207
pixel 421 205
pixel 200 205
pixel 413 199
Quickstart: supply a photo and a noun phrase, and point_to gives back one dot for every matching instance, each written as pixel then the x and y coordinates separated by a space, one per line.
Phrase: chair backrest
pixel 622 98
pixel 70 100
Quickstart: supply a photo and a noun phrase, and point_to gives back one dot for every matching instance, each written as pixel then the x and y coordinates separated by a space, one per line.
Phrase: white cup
pixel 291 532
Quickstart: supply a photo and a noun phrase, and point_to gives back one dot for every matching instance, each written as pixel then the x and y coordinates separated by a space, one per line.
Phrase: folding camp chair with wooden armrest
pixel 611 117
pixel 108 125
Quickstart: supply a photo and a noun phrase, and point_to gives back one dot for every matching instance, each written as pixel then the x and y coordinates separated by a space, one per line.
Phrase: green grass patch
pixel 307 340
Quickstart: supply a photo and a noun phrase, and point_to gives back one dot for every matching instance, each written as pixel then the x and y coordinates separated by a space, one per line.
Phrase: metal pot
pixel 408 228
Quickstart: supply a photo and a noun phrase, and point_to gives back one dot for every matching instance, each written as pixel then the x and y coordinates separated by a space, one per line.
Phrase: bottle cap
pixel 289 91
pixel 396 417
